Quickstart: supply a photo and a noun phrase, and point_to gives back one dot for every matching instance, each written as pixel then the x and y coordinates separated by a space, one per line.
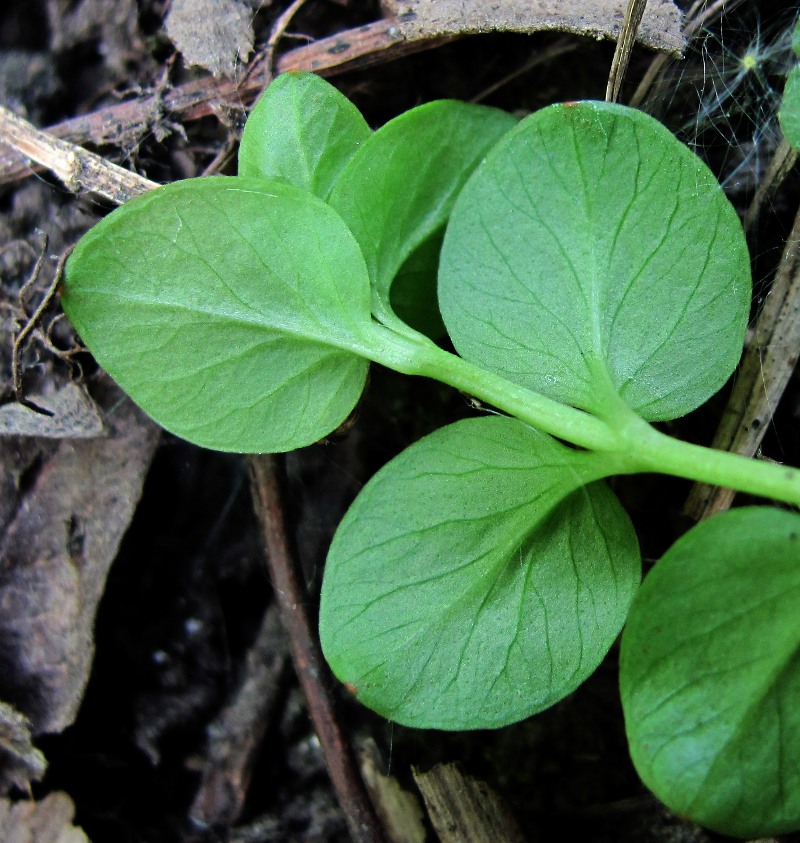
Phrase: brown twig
pixel 22 336
pixel 782 163
pixel 710 13
pixel 558 49
pixel 224 156
pixel 124 124
pixel 312 672
pixel 264 64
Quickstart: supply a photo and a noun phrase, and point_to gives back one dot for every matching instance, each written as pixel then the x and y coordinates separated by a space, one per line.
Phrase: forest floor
pixel 139 635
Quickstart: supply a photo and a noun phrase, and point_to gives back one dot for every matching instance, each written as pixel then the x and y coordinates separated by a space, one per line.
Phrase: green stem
pixel 428 360
pixel 654 451
pixel 633 446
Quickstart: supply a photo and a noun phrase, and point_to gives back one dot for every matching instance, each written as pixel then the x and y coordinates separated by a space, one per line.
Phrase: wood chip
pixel 48 821
pixel 660 27
pixel 73 416
pixel 464 809
pixel 399 810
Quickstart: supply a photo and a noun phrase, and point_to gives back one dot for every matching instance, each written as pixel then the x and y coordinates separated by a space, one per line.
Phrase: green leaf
pixel 399 187
pixel 302 130
pixel 231 310
pixel 593 255
pixel 710 674
pixel 789 114
pixel 475 580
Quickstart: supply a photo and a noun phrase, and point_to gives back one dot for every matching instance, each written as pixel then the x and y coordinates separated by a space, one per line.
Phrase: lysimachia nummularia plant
pixel 593 278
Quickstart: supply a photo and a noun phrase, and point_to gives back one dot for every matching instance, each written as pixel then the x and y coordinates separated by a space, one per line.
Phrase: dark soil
pixel 189 587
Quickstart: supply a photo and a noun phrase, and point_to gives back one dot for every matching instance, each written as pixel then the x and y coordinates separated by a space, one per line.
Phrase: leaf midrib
pixel 355 345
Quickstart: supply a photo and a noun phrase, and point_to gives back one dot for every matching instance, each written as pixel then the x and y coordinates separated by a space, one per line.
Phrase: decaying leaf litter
pixel 190 665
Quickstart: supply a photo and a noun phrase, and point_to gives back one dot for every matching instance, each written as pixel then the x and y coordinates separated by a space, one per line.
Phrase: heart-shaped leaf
pixel 399 187
pixel 302 130
pixel 475 580
pixel 710 674
pixel 232 310
pixel 592 255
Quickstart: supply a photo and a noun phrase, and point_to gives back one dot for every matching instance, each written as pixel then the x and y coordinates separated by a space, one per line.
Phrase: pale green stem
pixel 426 359
pixel 654 451
pixel 631 443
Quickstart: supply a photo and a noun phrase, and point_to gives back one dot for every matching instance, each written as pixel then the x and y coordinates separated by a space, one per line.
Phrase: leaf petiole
pixel 631 444
pixel 428 360
pixel 660 453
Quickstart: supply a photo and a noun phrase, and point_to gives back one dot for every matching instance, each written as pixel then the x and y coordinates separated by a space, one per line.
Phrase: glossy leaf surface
pixel 302 130
pixel 475 581
pixel 593 255
pixel 710 674
pixel 231 310
pixel 399 187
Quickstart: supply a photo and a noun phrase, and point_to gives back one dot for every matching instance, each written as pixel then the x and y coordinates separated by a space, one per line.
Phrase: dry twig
pixel 763 375
pixel 124 124
pixel 264 64
pixel 80 170
pixel 22 335
pixel 625 42
pixel 780 166
pixel 311 669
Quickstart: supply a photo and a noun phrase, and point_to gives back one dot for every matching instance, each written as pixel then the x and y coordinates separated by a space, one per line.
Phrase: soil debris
pixel 214 34
pixel 70 509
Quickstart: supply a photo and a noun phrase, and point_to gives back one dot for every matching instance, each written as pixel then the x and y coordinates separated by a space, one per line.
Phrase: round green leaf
pixel 476 580
pixel 789 114
pixel 399 187
pixel 710 674
pixel 592 255
pixel 302 130
pixel 231 310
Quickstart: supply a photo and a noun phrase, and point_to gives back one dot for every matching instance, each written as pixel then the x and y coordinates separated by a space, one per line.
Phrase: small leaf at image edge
pixel 710 674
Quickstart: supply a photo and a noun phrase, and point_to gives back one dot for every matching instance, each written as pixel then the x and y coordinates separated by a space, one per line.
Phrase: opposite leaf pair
pixel 592 276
